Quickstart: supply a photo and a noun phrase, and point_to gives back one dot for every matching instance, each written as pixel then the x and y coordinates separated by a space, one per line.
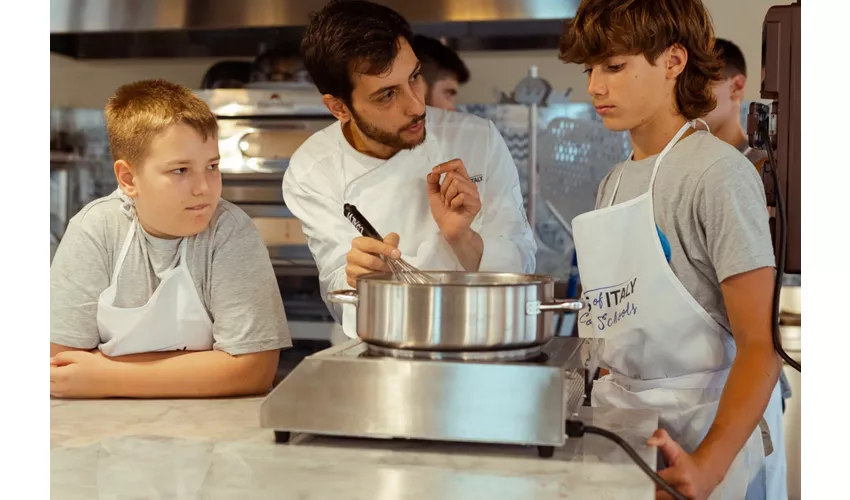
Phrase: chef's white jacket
pixel 327 172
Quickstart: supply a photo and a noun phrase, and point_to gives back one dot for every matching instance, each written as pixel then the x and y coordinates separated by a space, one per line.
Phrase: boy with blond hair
pixel 162 289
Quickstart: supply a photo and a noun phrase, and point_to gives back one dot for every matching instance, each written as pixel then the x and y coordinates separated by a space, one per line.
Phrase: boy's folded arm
pixel 190 374
pixel 78 275
pixel 57 348
pixel 249 328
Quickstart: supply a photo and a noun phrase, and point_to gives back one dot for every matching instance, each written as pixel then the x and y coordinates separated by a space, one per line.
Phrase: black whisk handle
pixel 359 222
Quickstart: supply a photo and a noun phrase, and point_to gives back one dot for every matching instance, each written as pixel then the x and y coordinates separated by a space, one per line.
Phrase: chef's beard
pixel 389 139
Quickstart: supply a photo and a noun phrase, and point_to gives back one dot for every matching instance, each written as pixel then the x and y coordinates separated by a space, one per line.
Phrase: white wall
pixel 89 83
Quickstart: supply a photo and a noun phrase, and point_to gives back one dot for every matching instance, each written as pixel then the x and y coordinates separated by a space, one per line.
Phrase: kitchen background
pixel 88 83
pixel 98 46
pixel 84 72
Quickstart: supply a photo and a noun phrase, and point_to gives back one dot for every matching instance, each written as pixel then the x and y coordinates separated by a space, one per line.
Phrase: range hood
pixel 98 29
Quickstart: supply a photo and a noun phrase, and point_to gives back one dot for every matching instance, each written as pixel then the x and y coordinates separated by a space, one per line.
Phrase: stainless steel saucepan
pixel 460 312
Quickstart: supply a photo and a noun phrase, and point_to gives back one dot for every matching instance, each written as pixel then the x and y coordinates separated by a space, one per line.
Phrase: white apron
pixel 664 351
pixel 173 319
pixel 393 197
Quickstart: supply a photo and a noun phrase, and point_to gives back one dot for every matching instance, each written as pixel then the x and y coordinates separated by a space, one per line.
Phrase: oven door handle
pixel 258 162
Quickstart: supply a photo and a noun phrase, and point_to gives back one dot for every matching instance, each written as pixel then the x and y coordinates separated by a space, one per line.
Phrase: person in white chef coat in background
pixel 441 187
pixel 162 289
pixel 690 337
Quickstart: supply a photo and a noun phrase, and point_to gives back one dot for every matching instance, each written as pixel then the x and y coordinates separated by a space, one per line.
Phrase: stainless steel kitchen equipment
pixel 80 166
pixel 229 29
pixel 534 92
pixel 259 130
pixel 61 192
pixel 461 312
pixel 357 390
pixel 575 155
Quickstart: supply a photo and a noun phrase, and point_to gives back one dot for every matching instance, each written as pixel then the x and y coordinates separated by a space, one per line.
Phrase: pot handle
pixel 344 297
pixel 556 305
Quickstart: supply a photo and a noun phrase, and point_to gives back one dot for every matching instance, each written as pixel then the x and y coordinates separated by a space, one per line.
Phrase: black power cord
pixel 770 166
pixel 576 428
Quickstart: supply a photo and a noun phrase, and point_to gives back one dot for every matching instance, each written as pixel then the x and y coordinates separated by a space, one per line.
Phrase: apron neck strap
pixel 124 249
pixel 666 150
pixel 183 250
pixel 684 128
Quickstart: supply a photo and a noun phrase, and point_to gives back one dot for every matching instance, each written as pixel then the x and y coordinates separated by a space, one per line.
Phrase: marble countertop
pixel 182 449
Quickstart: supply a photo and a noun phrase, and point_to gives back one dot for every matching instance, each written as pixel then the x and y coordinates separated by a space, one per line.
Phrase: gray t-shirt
pixel 755 156
pixel 710 204
pixel 752 154
pixel 229 264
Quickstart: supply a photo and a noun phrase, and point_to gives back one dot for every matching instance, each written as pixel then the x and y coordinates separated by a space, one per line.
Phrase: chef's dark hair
pixel 351 37
pixel 731 57
pixel 438 60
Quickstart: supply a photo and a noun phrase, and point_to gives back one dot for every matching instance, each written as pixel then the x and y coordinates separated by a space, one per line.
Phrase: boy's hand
pixel 687 474
pixel 79 374
pixel 364 256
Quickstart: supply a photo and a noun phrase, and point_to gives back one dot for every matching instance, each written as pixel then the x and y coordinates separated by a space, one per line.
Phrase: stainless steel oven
pixel 259 130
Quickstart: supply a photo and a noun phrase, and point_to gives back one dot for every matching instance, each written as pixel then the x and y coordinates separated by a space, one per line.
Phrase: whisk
pixel 401 270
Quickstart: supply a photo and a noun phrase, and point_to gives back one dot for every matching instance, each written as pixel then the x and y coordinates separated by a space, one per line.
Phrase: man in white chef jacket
pixel 441 187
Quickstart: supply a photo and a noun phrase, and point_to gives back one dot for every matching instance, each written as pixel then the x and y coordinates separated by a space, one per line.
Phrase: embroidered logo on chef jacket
pixel 477 178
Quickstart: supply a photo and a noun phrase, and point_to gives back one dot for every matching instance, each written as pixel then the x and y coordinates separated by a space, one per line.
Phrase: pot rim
pixel 383 278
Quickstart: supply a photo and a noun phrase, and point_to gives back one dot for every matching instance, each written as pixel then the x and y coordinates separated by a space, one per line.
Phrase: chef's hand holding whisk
pixel 365 256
